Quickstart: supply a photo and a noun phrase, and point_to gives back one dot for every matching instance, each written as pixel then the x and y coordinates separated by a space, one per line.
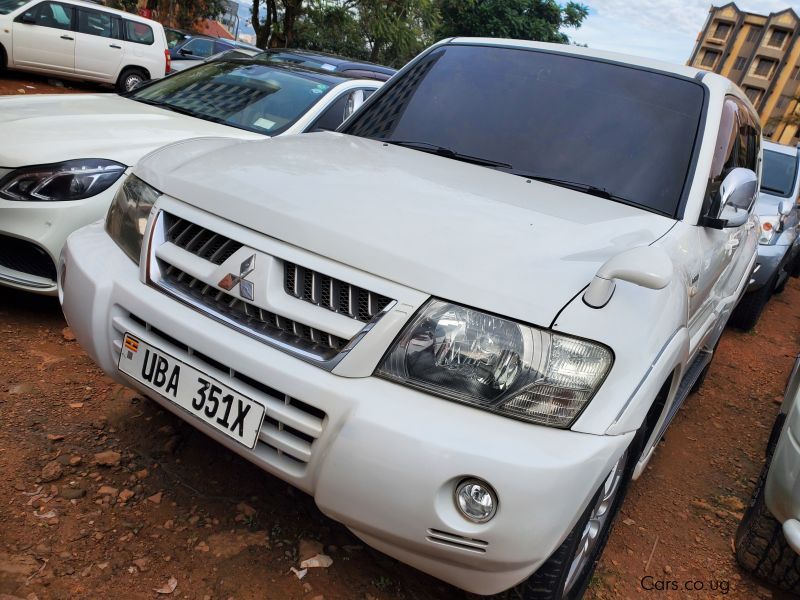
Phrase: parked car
pixel 64 156
pixel 778 244
pixel 768 538
pixel 194 49
pixel 332 63
pixel 81 40
pixel 463 321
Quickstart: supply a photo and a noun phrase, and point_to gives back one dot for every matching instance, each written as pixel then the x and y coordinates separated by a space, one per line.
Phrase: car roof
pixel 121 13
pixel 781 148
pixel 341 62
pixel 330 77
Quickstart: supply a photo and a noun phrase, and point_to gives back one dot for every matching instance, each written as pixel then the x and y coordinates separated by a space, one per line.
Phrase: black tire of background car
pixel 547 583
pixel 761 547
pixel 3 58
pixel 794 267
pixel 746 314
pixel 121 82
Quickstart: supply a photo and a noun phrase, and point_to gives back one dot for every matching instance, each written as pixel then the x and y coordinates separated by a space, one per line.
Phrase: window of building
pixel 782 102
pixel 740 63
pixel 777 38
pixel 753 33
pixel 765 67
pixel 710 58
pixel 722 30
pixel 753 94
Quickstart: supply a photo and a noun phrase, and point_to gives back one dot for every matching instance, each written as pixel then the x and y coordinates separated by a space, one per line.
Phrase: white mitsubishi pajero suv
pixel 463 322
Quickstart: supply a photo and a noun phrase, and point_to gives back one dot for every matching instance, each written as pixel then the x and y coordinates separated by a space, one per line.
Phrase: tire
pixel 130 78
pixel 3 59
pixel 760 545
pixel 747 312
pixel 551 579
pixel 794 267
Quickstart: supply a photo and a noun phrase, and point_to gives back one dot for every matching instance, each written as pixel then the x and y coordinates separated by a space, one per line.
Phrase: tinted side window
pixel 53 14
pixel 199 47
pixel 333 115
pixel 139 33
pixel 221 47
pixel 95 23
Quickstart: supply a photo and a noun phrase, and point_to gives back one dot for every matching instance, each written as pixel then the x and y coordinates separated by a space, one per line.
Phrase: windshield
pixel 625 133
pixel 251 96
pixel 778 173
pixel 7 6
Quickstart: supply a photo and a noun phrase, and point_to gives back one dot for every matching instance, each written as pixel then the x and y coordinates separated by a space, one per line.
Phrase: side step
pixel 693 373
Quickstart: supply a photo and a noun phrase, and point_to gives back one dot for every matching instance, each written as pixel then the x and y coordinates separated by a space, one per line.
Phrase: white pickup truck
pixel 462 322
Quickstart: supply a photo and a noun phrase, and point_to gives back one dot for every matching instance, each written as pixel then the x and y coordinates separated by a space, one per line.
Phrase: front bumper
pixel 386 458
pixel 771 259
pixel 43 227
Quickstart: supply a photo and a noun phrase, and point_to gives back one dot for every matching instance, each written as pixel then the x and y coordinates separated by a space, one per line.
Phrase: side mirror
pixel 785 207
pixel 185 52
pixel 737 194
pixel 647 266
pixel 27 18
pixel 354 102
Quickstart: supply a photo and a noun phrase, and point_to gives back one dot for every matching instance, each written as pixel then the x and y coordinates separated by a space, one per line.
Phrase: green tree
pixel 540 20
pixel 333 28
pixel 396 30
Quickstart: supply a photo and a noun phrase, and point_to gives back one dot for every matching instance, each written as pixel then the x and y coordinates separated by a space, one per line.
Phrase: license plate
pixel 211 401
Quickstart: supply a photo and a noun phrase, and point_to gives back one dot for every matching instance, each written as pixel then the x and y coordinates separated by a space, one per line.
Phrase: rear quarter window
pixel 139 33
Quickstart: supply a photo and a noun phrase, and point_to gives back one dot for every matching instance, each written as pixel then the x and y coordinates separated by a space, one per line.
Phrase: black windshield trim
pixel 698 137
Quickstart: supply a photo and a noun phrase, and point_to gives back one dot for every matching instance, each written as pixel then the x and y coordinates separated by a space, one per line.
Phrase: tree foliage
pixel 393 31
pixel 177 13
pixel 540 20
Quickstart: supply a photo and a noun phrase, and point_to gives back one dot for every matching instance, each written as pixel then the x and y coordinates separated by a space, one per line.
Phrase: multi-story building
pixel 761 53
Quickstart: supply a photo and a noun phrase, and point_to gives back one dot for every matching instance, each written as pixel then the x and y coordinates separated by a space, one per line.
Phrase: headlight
pixel 127 216
pixel 498 365
pixel 70 180
pixel 770 227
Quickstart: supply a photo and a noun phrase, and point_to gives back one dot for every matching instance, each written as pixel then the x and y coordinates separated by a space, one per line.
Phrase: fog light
pixel 476 500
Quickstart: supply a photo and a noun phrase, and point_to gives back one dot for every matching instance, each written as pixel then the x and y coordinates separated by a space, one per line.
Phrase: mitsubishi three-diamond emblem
pixel 230 280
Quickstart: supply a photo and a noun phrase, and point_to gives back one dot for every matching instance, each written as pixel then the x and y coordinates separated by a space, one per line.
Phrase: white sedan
pixel 63 157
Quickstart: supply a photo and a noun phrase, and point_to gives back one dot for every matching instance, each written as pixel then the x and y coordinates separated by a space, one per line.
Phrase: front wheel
pixel 567 573
pixel 761 547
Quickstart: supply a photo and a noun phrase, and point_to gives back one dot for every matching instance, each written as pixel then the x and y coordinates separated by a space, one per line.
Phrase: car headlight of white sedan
pixel 127 217
pixel 499 365
pixel 68 180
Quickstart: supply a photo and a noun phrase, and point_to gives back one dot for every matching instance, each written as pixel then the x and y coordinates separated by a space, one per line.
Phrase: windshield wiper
pixel 448 153
pixel 182 111
pixel 586 188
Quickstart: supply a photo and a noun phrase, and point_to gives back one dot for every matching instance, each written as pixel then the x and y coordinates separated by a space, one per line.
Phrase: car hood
pixel 50 128
pixel 457 231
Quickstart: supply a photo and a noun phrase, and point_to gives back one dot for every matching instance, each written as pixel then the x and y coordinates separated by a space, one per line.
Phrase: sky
pixel 660 29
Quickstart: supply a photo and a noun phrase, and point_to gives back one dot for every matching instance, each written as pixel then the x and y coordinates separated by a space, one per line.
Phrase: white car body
pixel 384 458
pixel 73 51
pixel 52 128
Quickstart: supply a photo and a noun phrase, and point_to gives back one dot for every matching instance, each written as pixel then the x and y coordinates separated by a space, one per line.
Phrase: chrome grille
pixel 202 286
pixel 290 426
pixel 198 240
pixel 260 320
pixel 333 294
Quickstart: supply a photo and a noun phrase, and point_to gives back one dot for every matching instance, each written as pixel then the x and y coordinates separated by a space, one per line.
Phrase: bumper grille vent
pixel 460 542
pixel 26 257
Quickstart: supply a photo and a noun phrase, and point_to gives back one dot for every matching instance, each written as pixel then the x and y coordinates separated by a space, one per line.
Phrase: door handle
pixel 115 46
pixel 66 37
